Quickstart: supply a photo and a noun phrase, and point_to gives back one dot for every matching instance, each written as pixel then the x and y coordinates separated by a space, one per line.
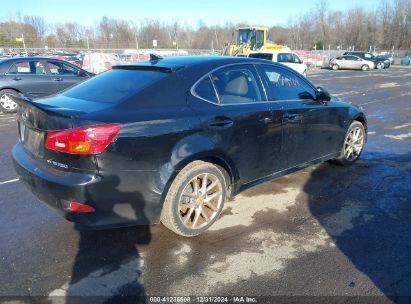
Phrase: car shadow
pixel 366 211
pixel 107 266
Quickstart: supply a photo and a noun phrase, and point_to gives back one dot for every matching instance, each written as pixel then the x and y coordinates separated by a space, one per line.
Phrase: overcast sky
pixel 255 12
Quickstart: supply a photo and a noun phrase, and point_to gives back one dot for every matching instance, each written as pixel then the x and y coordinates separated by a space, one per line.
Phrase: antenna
pixel 154 58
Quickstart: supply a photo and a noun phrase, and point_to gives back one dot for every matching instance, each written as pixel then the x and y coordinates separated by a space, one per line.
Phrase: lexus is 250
pixel 170 139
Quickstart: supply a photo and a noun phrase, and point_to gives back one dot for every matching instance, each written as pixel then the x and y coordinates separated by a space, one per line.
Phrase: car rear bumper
pixel 115 205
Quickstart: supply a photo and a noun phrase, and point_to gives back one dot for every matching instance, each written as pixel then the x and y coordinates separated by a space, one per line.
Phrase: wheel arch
pixel 360 117
pixel 212 156
pixel 10 88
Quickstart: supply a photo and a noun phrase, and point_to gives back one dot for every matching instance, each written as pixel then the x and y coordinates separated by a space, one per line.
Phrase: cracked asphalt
pixel 322 231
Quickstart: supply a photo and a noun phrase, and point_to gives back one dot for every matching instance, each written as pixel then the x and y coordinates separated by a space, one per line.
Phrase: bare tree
pixel 386 27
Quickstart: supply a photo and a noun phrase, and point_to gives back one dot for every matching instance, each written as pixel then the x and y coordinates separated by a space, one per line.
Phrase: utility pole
pixel 24 44
pixel 89 54
pixel 138 52
pixel 216 36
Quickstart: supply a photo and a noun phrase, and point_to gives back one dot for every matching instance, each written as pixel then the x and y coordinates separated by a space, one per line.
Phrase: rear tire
pixel 195 199
pixel 335 67
pixel 7 105
pixel 365 67
pixel 380 65
pixel 353 145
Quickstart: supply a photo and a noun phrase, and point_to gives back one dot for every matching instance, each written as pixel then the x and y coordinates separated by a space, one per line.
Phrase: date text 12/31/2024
pixel 203 299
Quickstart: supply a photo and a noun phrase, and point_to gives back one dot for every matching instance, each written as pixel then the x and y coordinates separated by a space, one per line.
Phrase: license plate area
pixel 33 140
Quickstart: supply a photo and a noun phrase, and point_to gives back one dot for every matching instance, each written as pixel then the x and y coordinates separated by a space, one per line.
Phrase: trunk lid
pixel 36 118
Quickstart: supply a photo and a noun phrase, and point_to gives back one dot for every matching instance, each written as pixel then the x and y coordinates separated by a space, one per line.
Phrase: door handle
pixel 221 123
pixel 292 117
pixel 266 120
pixel 17 78
pixel 58 79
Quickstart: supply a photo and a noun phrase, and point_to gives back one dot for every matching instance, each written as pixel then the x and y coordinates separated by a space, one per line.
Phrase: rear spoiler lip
pixel 147 68
pixel 63 112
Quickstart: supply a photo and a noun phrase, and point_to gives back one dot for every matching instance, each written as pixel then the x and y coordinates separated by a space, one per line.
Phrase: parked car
pixel 171 139
pixel 380 63
pixel 386 55
pixel 406 60
pixel 35 77
pixel 123 57
pixel 289 59
pixel 351 62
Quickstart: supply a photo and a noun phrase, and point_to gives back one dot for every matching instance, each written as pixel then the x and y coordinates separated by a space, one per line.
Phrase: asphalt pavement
pixel 325 233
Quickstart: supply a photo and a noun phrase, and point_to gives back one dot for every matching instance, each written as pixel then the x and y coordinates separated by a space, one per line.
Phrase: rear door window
pixel 286 85
pixel 115 86
pixel 205 90
pixel 285 57
pixel 237 84
pixel 27 68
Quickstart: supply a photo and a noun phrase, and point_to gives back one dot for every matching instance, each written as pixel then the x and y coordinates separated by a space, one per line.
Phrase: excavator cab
pixel 255 37
pixel 248 39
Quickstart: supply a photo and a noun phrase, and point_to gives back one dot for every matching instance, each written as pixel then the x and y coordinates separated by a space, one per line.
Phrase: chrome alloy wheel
pixel 354 143
pixel 200 201
pixel 7 103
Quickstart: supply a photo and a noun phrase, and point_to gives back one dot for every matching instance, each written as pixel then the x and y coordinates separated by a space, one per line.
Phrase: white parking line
pixel 9 181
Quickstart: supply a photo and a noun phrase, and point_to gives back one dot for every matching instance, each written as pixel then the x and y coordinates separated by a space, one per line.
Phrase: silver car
pixel 351 62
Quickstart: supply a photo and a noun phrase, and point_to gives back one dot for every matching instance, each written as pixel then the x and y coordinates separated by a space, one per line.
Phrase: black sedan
pixel 35 77
pixel 171 139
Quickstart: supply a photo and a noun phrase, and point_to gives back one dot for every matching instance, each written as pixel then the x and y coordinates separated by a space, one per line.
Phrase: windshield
pixel 368 56
pixel 243 36
pixel 114 86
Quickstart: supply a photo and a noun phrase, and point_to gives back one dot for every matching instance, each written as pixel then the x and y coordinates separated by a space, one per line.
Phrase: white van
pixel 285 57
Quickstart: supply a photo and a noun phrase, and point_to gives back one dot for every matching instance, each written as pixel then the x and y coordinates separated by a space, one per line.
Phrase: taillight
pixel 84 140
pixel 74 206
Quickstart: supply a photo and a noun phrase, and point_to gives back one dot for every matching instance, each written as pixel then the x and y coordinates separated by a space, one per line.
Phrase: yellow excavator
pixel 250 38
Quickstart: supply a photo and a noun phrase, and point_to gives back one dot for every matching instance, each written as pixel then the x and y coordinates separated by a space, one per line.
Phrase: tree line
pixel 384 27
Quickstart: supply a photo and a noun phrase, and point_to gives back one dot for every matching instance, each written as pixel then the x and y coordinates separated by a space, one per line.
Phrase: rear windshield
pixel 114 86
pixel 261 56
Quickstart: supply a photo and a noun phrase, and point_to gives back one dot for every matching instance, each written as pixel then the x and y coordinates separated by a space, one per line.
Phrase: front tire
pixel 380 65
pixel 353 145
pixel 365 67
pixel 195 199
pixel 7 105
pixel 335 67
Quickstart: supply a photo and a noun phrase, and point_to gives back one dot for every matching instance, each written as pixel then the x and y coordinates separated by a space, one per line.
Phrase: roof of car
pixel 356 52
pixel 18 58
pixel 273 51
pixel 186 61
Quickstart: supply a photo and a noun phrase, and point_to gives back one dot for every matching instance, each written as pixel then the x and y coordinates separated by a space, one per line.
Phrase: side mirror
pixel 322 95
